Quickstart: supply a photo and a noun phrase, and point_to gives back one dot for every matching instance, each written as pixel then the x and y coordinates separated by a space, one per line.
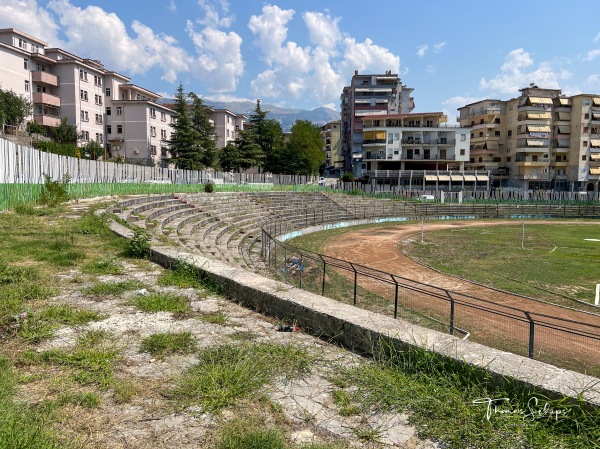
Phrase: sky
pixel 300 54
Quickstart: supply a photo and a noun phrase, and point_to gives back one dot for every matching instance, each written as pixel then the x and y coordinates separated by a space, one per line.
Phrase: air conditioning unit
pixel 136 151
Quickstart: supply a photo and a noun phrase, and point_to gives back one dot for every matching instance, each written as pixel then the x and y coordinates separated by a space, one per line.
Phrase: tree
pixel 204 130
pixel 183 145
pixel 93 150
pixel 13 108
pixel 230 157
pixel 251 153
pixel 64 133
pixel 304 152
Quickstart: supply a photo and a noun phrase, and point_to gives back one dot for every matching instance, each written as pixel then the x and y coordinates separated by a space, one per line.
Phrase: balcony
pixel 48 99
pixel 488 111
pixel 44 78
pixel 374 141
pixel 532 162
pixel 485 125
pixel 46 120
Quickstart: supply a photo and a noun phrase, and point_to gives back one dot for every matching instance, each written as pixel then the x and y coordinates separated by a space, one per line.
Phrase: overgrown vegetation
pixel 227 374
pixel 461 405
pixel 54 192
pixel 139 245
pixel 162 302
pixel 163 344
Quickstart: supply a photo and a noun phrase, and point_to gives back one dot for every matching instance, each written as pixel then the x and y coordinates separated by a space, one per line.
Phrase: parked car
pixel 158 181
pixel 427 198
pixel 322 182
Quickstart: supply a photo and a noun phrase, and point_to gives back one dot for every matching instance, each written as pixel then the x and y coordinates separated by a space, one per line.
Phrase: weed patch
pixel 162 302
pixel 113 288
pixel 161 345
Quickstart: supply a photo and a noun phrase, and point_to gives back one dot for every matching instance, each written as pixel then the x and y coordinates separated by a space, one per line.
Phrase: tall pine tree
pixel 184 146
pixel 205 132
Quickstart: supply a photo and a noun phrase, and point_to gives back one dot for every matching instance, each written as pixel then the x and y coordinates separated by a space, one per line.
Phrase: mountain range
pixel 285 116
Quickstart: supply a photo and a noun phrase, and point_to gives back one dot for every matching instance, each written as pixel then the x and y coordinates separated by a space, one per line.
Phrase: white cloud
pixel 219 63
pixel 323 31
pixel 421 50
pixel 212 17
pixel 514 74
pixel 430 69
pixel 439 47
pixel 95 33
pixel 591 55
pixel 597 38
pixel 363 56
pixel 28 17
pixel 271 31
pixel 593 80
pixel 172 6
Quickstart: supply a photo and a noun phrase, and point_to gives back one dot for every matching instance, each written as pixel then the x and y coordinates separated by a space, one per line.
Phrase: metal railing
pixel 537 332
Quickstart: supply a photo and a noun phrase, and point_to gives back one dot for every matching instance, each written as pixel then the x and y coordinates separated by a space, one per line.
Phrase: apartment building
pixel 330 133
pixel 366 96
pixel 398 148
pixel 227 125
pixel 137 127
pixel 541 139
pixel 103 105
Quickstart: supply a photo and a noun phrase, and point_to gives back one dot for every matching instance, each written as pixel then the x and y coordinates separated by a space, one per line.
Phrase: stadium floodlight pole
pixel 523 236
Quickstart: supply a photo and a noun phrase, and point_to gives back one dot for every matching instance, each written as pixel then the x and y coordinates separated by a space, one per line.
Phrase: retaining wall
pixel 359 329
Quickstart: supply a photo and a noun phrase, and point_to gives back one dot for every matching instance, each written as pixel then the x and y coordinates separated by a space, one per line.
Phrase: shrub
pixel 54 193
pixel 347 177
pixel 139 245
pixel 209 187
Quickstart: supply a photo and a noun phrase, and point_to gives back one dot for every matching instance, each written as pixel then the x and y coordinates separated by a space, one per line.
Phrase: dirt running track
pixel 377 248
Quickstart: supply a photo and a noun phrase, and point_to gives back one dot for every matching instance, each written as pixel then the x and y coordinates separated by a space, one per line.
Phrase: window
pixel 462 151
pixel 510 133
pixel 497 121
pixel 119 110
pixel 86 136
pixel 34 48
pixel 481 134
pixel 463 137
pixel 108 111
pixel 97 81
pixel 153 149
pixel 152 113
pixel 163 116
pixel 26 85
pixel 99 119
pixel 584 143
pixel 472 135
pixel 107 92
pixel 586 116
pixel 84 116
pixel 583 157
pixel 108 129
pixel 119 129
pixel 153 131
pixel 98 99
pixel 508 159
pixel 99 138
pixel 83 75
pixel 25 63
pixel 496 133
pixel 83 95
pixel 586 102
pixel 163 133
pixel 22 44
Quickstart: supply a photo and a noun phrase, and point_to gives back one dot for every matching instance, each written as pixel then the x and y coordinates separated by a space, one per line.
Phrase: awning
pixel 456 177
pixel 444 178
pixel 595 116
pixel 565 101
pixel 564 116
pixel 492 145
pixel 539 128
pixel 595 157
pixel 470 178
pixel 564 130
pixel 595 171
pixel 595 143
pixel 538 115
pixel 535 143
pixel 483 178
pixel 431 178
pixel 540 100
pixel 596 101
pixel 478 146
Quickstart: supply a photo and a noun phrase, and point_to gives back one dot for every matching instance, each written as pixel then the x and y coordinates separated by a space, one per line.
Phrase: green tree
pixel 204 130
pixel 251 153
pixel 13 108
pixel 230 157
pixel 304 152
pixel 64 133
pixel 183 145
pixel 93 150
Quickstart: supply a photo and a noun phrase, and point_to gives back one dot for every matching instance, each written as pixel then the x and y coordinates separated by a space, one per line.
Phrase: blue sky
pixel 301 53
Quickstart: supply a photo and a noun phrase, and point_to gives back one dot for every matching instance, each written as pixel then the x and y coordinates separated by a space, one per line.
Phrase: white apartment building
pixel 227 125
